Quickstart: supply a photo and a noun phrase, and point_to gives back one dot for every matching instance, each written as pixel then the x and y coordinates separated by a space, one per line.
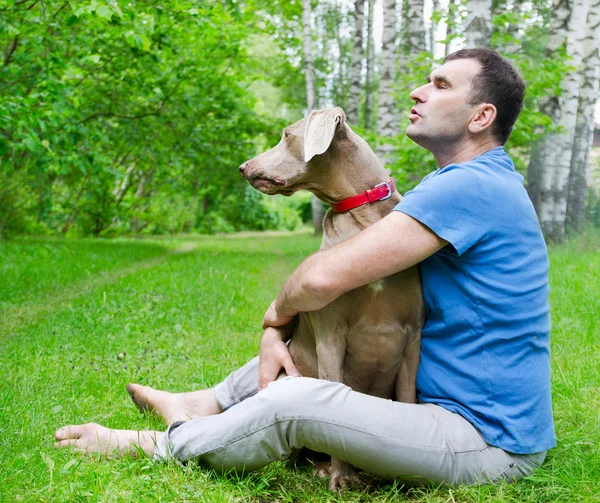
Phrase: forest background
pixel 132 117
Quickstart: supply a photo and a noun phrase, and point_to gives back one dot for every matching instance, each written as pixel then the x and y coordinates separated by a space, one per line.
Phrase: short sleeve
pixel 453 204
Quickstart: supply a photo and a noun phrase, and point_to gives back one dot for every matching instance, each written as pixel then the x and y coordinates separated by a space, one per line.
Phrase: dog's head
pixel 302 157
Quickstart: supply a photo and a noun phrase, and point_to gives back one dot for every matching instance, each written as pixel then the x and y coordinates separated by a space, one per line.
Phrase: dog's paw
pixel 342 476
pixel 322 469
pixel 340 482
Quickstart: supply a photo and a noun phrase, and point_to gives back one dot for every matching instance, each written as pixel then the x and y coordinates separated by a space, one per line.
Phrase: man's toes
pixel 68 442
pixel 69 432
pixel 139 396
pixel 74 431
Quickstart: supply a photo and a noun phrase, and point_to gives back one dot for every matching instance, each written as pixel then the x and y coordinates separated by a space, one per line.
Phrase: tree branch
pixel 11 49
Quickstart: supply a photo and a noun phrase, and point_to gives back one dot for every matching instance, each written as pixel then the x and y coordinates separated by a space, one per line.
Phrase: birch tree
pixel 357 61
pixel 316 204
pixel 561 14
pixel 552 161
pixel 584 129
pixel 416 26
pixel 434 25
pixel 387 120
pixel 478 31
pixel 370 67
pixel 450 24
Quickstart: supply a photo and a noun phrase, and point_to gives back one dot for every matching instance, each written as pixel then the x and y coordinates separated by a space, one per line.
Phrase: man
pixel 484 411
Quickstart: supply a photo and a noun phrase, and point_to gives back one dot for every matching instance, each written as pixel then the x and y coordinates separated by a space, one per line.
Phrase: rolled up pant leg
pixel 386 438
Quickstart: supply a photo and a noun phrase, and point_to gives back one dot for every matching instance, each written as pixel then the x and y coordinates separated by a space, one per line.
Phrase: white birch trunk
pixel 416 27
pixel 309 75
pixel 370 67
pixel 450 24
pixel 478 32
pixel 543 151
pixel 357 61
pixel 403 36
pixel 309 72
pixel 387 120
pixel 584 130
pixel 555 181
pixel 433 28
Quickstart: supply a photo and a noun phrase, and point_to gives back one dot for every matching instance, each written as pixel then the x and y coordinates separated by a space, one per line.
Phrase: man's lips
pixel 414 114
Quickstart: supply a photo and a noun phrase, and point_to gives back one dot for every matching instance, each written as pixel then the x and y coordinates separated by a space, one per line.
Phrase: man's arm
pixel 391 245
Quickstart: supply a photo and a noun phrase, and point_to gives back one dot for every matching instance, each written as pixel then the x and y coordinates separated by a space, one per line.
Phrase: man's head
pixel 476 95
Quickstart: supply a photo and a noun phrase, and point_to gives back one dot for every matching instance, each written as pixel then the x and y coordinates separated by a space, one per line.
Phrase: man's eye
pixel 286 135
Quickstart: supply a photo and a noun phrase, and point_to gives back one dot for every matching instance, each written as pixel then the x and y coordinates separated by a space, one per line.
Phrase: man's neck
pixel 463 152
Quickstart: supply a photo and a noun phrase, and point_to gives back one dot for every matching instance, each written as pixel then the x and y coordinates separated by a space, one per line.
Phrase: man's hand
pixel 274 356
pixel 274 319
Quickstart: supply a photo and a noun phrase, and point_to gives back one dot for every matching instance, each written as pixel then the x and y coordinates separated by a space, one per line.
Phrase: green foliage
pixel 114 116
pixel 120 118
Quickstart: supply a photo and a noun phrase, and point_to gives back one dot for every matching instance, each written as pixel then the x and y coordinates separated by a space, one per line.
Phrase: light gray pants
pixel 416 442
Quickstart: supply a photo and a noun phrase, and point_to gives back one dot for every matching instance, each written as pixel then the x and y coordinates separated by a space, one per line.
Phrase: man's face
pixel 442 113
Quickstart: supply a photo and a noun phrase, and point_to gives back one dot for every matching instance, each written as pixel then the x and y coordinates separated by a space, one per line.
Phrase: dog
pixel 369 338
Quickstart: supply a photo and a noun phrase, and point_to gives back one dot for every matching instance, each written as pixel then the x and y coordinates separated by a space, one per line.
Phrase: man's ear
pixel 483 118
pixel 320 130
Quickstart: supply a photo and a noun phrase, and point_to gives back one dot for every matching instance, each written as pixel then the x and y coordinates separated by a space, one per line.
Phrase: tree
pixel 478 31
pixel 549 166
pixel 387 119
pixel 369 85
pixel 316 204
pixel 357 61
pixel 584 129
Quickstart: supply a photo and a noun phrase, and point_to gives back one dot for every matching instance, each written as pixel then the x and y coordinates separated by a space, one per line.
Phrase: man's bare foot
pixel 174 406
pixel 93 438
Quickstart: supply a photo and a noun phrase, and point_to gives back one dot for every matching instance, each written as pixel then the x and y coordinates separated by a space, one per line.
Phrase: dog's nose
pixel 243 167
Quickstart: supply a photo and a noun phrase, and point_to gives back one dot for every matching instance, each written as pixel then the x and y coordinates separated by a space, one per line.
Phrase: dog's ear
pixel 320 130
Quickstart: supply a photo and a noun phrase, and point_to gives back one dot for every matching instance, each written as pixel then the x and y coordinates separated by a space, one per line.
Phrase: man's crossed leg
pixel 391 439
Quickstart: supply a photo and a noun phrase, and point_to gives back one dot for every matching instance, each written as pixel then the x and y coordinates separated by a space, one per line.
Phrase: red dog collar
pixel 380 192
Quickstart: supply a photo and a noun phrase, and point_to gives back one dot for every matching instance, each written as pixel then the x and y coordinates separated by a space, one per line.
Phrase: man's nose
pixel 243 168
pixel 419 94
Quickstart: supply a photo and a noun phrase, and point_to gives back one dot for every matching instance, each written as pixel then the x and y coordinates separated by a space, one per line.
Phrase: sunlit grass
pixel 80 319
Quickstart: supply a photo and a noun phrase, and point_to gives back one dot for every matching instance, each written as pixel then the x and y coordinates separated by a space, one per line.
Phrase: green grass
pixel 80 319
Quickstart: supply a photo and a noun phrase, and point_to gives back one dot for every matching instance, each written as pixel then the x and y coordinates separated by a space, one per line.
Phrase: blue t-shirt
pixel 485 347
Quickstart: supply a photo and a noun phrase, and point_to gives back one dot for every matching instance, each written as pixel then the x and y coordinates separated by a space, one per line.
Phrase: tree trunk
pixel 555 175
pixel 561 14
pixel 434 25
pixel 450 24
pixel 370 68
pixel 309 75
pixel 387 120
pixel 357 59
pixel 416 27
pixel 403 36
pixel 478 32
pixel 342 61
pixel 584 130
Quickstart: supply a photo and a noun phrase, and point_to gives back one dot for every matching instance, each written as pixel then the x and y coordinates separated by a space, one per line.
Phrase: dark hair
pixel 498 83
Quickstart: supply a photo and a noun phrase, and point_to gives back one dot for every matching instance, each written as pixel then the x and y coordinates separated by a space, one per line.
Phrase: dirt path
pixel 15 316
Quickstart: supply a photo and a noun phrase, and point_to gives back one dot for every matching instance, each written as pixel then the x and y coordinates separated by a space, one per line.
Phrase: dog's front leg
pixel 330 354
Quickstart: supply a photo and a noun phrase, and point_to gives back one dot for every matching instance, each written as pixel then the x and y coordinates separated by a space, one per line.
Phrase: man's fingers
pixel 265 377
pixel 290 368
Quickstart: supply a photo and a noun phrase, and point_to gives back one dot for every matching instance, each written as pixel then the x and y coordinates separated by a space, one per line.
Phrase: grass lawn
pixel 79 319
